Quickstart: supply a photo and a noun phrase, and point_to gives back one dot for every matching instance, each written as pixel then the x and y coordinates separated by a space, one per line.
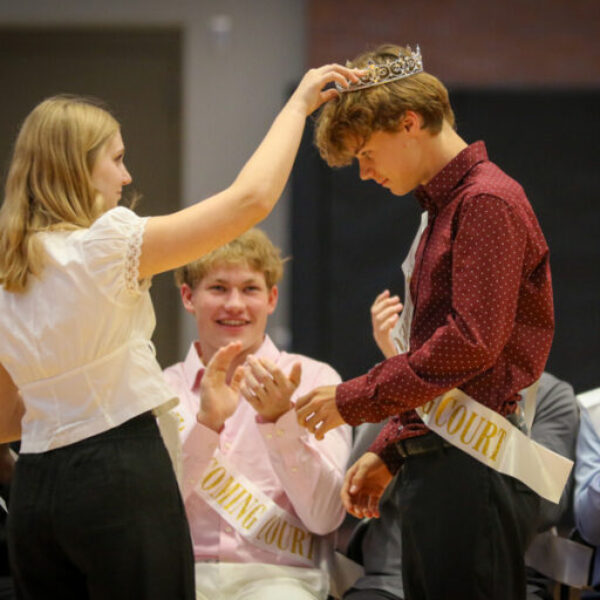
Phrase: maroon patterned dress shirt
pixel 483 318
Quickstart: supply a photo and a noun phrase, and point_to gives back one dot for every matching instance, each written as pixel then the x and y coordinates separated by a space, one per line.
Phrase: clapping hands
pixel 267 389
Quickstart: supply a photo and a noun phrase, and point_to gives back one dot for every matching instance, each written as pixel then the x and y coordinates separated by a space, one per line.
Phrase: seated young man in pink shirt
pixel 261 494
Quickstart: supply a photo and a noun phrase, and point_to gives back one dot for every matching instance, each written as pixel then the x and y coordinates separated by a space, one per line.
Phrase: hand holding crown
pixel 309 94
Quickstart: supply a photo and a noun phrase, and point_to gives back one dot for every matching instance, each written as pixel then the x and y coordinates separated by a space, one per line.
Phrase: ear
pixel 186 297
pixel 412 122
pixel 272 300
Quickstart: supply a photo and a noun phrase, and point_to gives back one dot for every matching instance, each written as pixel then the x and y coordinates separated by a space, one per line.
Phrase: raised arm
pixel 11 408
pixel 176 239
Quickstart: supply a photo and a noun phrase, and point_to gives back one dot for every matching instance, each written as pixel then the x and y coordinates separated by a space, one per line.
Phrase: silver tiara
pixel 389 70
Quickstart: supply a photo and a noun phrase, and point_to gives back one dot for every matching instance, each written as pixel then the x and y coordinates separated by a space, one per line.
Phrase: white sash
pixel 253 514
pixel 490 438
pixel 401 332
pixel 479 431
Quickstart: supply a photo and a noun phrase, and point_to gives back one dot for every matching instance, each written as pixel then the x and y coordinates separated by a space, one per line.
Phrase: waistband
pixel 430 442
pixel 141 424
pixel 422 444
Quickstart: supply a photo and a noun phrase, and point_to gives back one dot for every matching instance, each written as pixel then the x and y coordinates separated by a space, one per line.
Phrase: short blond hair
pixel 252 249
pixel 355 116
pixel 49 180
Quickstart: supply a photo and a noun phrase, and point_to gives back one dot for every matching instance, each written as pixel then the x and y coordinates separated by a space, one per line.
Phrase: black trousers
pixel 101 519
pixel 465 529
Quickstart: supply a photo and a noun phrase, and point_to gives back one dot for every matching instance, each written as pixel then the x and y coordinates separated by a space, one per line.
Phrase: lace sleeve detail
pixel 132 259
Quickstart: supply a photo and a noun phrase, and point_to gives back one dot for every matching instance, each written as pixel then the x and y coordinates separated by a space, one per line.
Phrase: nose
pixel 365 172
pixel 127 179
pixel 234 300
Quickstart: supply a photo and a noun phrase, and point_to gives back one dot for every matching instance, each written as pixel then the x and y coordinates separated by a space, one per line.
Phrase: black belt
pixel 422 444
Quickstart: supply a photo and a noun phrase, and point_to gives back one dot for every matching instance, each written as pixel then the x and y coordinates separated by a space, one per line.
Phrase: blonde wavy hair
pixel 48 186
pixel 252 249
pixel 355 116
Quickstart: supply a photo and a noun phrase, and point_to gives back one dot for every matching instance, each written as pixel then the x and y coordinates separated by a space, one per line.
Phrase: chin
pixel 401 191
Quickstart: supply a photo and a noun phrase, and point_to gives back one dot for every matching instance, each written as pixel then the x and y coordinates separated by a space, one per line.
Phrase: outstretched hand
pixel 364 485
pixel 310 93
pixel 267 389
pixel 318 412
pixel 384 316
pixel 218 397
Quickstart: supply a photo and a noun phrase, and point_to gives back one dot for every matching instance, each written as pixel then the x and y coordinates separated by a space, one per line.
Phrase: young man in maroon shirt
pixel 482 321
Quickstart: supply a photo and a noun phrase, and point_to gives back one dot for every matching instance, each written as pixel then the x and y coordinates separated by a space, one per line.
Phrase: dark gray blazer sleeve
pixel 555 426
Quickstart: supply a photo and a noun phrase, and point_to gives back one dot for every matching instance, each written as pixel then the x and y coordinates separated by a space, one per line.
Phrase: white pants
pixel 259 581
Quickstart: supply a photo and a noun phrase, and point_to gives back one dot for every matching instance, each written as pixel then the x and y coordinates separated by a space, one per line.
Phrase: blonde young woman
pixel 95 510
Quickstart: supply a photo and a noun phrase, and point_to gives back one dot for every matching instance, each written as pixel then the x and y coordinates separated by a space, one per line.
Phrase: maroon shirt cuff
pixel 347 395
pixel 393 461
pixel 357 403
pixel 385 445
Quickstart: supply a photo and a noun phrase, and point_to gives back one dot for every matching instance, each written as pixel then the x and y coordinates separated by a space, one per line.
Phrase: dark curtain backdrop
pixel 349 237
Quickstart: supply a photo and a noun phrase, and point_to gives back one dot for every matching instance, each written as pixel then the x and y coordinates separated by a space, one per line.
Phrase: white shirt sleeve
pixel 112 248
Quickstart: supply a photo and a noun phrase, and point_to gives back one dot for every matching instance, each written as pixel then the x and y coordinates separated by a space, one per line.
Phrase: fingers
pixel 383 307
pixel 301 404
pixel 339 73
pixel 357 499
pixel 257 375
pixel 236 380
pixel 221 360
pixel 267 389
pixel 253 390
pixel 380 297
pixel 295 375
pixel 317 411
pixel 354 498
pixel 319 423
pixel 307 414
pixel 371 507
pixel 312 84
pixel 348 482
pixel 265 381
pixel 268 371
pixel 326 96
pixel 321 428
pixel 386 320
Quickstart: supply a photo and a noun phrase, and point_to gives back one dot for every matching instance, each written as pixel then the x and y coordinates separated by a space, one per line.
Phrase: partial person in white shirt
pixel 95 509
pixel 587 478
pixel 261 493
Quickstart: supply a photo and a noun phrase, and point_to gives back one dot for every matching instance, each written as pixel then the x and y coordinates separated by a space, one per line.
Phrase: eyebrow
pixel 245 282
pixel 360 149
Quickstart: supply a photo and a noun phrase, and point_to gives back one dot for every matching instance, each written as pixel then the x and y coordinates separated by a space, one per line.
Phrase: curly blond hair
pixel 252 249
pixel 349 121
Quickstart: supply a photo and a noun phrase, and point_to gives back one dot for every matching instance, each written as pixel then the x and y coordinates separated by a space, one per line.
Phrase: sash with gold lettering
pixel 476 429
pixel 253 514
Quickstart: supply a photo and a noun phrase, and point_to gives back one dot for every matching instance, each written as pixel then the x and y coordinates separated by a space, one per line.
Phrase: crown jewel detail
pixel 389 70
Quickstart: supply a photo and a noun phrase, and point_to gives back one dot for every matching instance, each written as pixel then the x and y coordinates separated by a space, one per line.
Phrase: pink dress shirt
pixel 303 476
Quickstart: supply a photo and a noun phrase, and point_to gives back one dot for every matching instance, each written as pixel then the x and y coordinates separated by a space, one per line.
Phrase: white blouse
pixel 77 342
